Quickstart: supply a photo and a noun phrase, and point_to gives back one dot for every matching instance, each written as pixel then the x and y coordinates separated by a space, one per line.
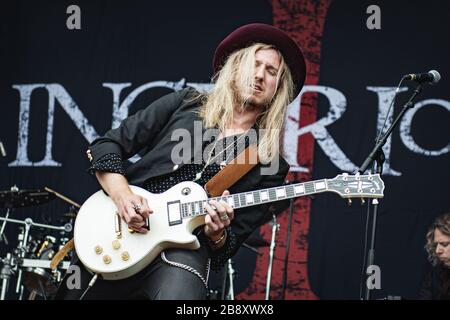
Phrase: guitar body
pixel 114 256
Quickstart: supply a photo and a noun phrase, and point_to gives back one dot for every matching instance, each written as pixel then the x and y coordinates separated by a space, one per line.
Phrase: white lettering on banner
pixel 405 128
pixel 55 91
pixel 120 111
pixel 25 91
pixel 385 96
pixel 338 105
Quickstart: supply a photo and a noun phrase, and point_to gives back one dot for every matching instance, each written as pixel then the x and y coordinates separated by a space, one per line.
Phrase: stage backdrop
pixel 62 84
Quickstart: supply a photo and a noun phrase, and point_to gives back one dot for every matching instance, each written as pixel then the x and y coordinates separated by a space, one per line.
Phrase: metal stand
pixel 231 272
pixel 21 251
pixel 378 157
pixel 286 256
pixel 275 229
pixel 2 230
pixel 5 274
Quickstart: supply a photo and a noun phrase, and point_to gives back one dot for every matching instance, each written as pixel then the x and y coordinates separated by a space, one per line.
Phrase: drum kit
pixel 28 264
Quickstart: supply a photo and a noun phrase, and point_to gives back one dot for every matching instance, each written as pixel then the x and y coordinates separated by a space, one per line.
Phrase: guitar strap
pixel 233 171
pixel 221 181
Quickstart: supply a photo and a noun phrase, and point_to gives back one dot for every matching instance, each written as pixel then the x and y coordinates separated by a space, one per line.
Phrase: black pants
pixel 158 281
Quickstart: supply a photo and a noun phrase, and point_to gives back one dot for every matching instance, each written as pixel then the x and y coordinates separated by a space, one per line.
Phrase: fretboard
pixel 253 198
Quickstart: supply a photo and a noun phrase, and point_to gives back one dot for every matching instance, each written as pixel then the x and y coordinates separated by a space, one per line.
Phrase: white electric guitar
pixel 106 246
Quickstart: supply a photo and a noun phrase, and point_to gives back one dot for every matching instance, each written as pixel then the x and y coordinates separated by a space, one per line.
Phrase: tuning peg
pixel 349 202
pixel 363 201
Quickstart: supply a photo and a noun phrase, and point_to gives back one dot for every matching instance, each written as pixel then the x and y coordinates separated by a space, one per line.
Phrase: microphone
pixel 431 76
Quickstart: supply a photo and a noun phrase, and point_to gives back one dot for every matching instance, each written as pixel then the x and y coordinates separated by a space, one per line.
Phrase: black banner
pixel 69 74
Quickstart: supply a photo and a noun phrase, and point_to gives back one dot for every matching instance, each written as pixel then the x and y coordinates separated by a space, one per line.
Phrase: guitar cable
pixel 91 284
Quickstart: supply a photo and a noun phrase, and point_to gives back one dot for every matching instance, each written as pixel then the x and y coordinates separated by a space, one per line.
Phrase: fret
pixel 290 191
pixel 249 198
pixel 236 200
pixel 320 185
pixel 281 193
pixel 192 209
pixel 299 189
pixel 272 194
pixel 197 207
pixel 256 196
pixel 230 201
pixel 264 195
pixel 309 187
pixel 242 199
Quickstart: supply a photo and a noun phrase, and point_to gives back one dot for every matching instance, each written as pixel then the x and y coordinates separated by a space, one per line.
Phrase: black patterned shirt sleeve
pixel 110 162
pixel 220 256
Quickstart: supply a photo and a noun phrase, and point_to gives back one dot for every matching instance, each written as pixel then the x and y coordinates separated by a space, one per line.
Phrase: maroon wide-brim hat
pixel 258 32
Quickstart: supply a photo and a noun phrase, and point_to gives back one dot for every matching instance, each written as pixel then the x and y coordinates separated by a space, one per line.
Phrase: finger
pixel 145 207
pixel 138 229
pixel 227 207
pixel 124 214
pixel 137 224
pixel 230 211
pixel 222 212
pixel 225 193
pixel 219 206
pixel 208 219
pixel 215 221
pixel 134 217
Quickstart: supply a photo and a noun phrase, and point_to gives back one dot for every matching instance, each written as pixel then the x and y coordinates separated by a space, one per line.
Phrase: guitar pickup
pixel 117 225
pixel 147 223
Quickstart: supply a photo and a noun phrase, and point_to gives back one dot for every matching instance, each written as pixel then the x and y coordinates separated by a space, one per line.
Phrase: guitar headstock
pixel 357 186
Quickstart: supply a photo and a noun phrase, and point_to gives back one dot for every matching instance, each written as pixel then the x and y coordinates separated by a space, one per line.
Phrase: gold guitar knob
pixel 131 230
pixel 107 259
pixel 116 245
pixel 125 256
pixel 98 250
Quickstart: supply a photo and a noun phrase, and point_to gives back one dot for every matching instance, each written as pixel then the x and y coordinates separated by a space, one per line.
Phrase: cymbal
pixel 24 198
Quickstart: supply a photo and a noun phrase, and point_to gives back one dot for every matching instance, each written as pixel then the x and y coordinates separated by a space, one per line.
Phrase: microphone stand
pixel 275 229
pixel 288 240
pixel 377 156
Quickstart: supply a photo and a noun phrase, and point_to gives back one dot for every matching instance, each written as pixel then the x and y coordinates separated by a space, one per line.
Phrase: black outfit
pixel 148 133
pixel 436 285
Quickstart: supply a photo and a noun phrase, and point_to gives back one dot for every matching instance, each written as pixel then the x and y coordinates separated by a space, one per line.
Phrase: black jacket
pixel 436 285
pixel 148 132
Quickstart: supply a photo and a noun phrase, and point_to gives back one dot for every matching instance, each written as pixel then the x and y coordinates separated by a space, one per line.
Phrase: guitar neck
pixel 253 198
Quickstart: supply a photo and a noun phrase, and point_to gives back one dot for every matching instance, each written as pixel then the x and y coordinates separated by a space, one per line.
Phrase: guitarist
pixel 258 71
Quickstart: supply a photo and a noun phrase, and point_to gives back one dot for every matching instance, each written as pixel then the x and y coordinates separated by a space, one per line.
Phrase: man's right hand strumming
pixel 132 208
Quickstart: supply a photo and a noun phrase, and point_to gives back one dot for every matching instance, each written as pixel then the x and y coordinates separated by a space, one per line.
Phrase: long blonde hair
pixel 217 107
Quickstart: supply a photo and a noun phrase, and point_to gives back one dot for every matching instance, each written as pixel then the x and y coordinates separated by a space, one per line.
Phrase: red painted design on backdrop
pixel 304 21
